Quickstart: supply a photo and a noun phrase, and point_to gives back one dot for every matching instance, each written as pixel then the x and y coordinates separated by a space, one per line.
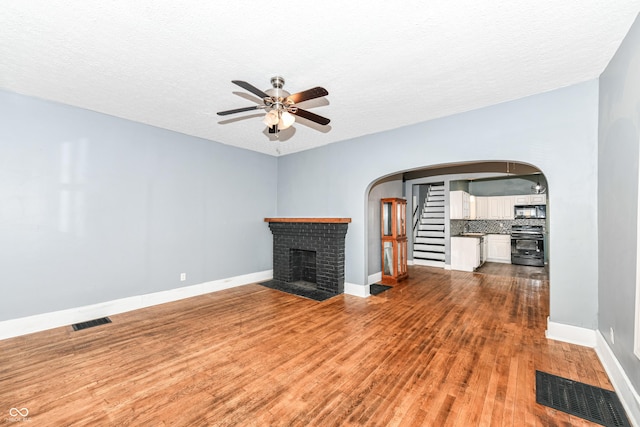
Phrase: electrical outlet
pixel 183 277
pixel 612 335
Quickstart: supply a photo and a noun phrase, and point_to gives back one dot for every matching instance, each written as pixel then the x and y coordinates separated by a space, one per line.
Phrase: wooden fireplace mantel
pixel 319 220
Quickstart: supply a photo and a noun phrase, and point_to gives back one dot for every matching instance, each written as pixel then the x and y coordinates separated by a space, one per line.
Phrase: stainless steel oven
pixel 527 245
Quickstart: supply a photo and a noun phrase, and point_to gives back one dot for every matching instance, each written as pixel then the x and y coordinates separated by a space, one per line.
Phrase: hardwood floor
pixel 513 270
pixel 441 349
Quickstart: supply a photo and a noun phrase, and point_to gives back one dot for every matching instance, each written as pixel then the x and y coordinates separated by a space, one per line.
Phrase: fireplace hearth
pixel 308 256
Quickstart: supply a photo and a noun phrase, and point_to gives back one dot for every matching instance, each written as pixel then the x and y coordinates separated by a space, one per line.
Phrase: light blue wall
pixel 95 208
pixel 555 131
pixel 619 135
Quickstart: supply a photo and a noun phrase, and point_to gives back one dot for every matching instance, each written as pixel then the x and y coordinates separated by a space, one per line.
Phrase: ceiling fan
pixel 280 105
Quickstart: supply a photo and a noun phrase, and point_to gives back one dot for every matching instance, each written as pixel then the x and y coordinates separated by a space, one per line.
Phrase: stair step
pixel 428 248
pixel 428 263
pixel 435 215
pixel 432 220
pixel 430 240
pixel 425 233
pixel 433 209
pixel 428 255
pixel 431 227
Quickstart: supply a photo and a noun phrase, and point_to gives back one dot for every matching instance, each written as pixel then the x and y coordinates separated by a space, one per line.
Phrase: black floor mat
pixel 582 400
pixel 376 288
pixel 301 289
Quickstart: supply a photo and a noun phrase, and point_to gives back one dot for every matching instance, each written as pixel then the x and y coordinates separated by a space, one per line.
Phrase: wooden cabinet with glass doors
pixel 394 240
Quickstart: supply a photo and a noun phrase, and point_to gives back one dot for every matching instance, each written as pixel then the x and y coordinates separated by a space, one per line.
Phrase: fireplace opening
pixel 303 265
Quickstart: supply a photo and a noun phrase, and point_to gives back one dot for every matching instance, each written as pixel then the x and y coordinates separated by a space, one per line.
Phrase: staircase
pixel 428 233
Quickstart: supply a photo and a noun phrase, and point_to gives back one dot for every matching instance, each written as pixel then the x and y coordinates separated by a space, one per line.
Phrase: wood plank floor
pixel 441 349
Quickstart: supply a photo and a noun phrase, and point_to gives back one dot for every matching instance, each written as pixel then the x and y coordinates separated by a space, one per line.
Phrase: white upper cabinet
pixel 479 207
pixel 538 199
pixel 521 200
pixel 500 207
pixel 459 205
pixel 531 199
pixel 464 206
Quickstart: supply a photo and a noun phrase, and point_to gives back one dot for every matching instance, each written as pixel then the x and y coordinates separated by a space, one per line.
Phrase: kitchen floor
pixel 513 270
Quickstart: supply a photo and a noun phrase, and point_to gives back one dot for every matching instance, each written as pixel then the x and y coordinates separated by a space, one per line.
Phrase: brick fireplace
pixel 308 255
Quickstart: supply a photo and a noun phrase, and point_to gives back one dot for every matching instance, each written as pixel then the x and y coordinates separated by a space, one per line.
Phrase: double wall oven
pixel 527 245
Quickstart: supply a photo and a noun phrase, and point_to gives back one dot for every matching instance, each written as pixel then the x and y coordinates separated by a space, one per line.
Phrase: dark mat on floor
pixel 301 289
pixel 376 288
pixel 582 400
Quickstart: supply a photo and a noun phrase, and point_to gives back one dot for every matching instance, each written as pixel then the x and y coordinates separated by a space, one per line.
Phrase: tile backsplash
pixel 490 226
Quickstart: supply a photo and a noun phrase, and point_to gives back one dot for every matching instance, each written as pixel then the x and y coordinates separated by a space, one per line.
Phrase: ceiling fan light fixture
pixel 286 120
pixel 271 118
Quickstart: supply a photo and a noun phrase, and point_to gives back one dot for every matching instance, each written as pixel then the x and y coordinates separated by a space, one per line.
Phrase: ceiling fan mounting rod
pixel 277 82
pixel 275 101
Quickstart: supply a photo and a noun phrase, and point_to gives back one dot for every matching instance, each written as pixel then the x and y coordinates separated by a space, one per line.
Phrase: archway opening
pixel 488 185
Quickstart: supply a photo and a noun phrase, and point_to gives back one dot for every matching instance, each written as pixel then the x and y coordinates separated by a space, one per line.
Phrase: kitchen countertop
pixel 480 234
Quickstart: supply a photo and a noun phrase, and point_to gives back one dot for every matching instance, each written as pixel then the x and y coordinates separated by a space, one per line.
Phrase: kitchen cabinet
pixel 522 199
pixel 479 207
pixel 489 207
pixel 465 253
pixel 538 199
pixel 459 207
pixel 500 207
pixel 530 199
pixel 499 248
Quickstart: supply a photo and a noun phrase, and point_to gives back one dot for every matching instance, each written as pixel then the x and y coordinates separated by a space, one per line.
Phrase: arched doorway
pixel 431 246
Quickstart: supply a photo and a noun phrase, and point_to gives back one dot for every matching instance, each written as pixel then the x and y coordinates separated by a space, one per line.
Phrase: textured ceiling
pixel 385 64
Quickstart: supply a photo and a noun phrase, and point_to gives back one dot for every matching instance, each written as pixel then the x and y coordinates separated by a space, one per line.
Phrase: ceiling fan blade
pixel 247 86
pixel 311 116
pixel 306 95
pixel 239 110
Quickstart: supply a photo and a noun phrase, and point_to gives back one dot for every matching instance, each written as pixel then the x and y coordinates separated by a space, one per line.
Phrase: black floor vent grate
pixel 91 323
pixel 582 400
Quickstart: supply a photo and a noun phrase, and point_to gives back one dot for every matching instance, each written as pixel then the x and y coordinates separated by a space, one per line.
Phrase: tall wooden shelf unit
pixel 394 240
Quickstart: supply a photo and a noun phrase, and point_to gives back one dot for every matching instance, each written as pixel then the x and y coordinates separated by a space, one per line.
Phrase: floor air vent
pixel 582 400
pixel 91 323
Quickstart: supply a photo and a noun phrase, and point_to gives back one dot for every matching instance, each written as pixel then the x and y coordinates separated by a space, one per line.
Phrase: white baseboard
pixel 624 389
pixel 571 334
pixel 356 290
pixel 374 278
pixel 41 322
